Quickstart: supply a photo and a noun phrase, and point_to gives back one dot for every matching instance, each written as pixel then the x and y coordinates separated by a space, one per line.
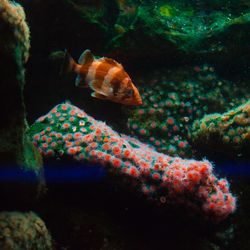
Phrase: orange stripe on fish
pixel 107 78
pixel 102 70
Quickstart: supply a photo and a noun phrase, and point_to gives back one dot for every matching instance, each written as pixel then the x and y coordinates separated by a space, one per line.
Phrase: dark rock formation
pixel 17 155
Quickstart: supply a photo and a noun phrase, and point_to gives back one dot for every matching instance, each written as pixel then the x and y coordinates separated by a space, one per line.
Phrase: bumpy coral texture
pixel 13 15
pixel 170 106
pixel 67 130
pixel 23 231
pixel 229 130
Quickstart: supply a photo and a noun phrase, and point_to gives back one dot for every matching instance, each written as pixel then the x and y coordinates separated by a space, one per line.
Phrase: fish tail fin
pixel 68 65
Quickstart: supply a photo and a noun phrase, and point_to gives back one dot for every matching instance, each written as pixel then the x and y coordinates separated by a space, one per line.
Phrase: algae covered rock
pixel 17 155
pixel 23 231
pixel 14 53
pixel 14 31
pixel 228 132
pixel 144 30
pixel 156 29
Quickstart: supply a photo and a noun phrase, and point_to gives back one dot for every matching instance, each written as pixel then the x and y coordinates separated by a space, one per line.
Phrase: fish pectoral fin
pixel 86 57
pixel 79 82
pixel 99 96
pixel 97 86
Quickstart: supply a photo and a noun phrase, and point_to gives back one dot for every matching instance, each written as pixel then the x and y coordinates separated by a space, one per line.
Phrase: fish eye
pixel 130 92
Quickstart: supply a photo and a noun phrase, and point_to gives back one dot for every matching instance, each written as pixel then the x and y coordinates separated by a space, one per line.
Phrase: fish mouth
pixel 137 97
pixel 136 102
pixel 139 102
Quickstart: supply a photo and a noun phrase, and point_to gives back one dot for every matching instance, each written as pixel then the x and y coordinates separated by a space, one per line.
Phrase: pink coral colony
pixel 162 178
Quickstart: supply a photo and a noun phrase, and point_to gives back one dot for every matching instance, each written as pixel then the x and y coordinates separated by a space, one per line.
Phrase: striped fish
pixel 106 77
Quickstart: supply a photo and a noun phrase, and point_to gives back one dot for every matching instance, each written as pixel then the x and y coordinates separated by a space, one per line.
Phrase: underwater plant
pixel 68 131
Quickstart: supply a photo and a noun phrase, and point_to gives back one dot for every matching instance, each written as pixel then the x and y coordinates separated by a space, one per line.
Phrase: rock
pixel 17 155
pixel 164 33
pixel 158 31
pixel 23 231
pixel 14 53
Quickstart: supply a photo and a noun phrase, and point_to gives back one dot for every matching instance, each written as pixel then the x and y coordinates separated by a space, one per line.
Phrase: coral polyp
pixel 228 132
pixel 158 176
pixel 171 103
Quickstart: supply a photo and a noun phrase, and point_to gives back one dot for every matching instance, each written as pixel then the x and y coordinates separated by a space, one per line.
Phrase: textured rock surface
pixel 23 231
pixel 16 151
pixel 14 53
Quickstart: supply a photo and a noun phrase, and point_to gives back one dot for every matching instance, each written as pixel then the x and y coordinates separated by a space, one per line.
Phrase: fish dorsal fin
pixel 86 57
pixel 111 62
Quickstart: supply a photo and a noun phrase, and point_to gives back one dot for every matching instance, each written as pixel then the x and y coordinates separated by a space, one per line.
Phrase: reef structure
pixel 14 52
pixel 23 231
pixel 17 31
pixel 228 132
pixel 68 131
pixel 17 153
pixel 173 101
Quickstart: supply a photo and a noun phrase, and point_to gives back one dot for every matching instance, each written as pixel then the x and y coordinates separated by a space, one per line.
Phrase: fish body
pixel 106 77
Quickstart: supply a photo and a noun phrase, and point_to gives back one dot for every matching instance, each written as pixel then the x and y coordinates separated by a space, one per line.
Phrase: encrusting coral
pixel 228 132
pixel 173 101
pixel 23 231
pixel 68 131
